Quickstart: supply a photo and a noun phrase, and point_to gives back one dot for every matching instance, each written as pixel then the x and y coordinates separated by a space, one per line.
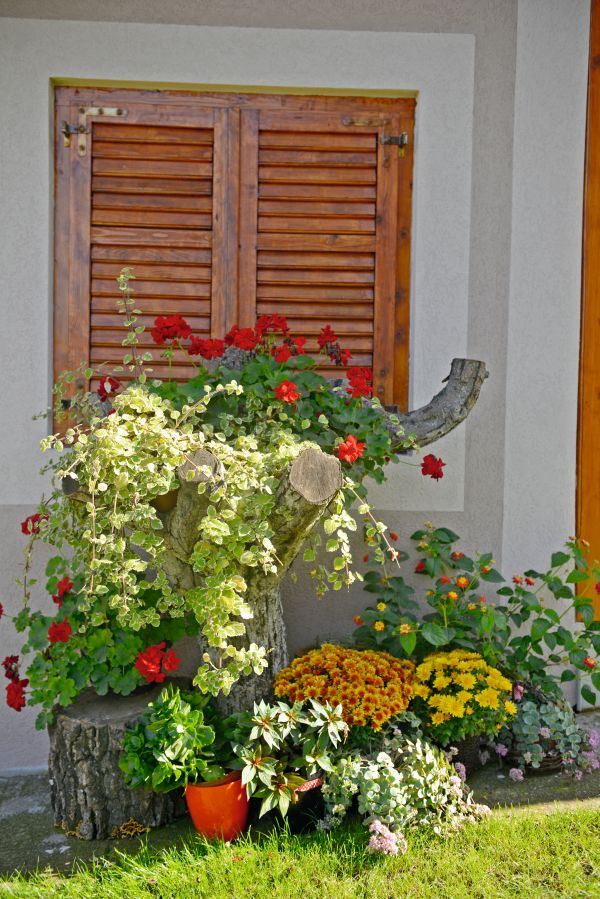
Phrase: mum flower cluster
pixel 371 687
pixel 457 694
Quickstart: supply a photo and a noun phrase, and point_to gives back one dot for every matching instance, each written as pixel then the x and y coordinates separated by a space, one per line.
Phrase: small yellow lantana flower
pixel 453 595
pixel 471 607
pixel 405 628
pixel 381 606
pixel 462 582
pixel 379 626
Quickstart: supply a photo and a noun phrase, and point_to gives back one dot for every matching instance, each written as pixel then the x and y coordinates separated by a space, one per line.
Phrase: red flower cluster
pixel 275 324
pixel 420 567
pixel 351 449
pixel 361 381
pixel 62 588
pixel 242 338
pixel 169 327
pixel 432 467
pixel 154 663
pixel 60 632
pixel 11 667
pixel 15 690
pixel 208 349
pixel 15 694
pixel 329 342
pixel 589 662
pixel 31 525
pixel 287 392
pixel 107 387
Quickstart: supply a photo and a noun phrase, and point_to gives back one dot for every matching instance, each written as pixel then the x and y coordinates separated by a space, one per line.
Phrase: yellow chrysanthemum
pixel 465 680
pixel 510 707
pixel 488 698
pixel 441 681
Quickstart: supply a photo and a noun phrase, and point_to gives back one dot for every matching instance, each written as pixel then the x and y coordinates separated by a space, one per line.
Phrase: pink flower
pixel 516 774
pixel 501 749
pixel 545 733
pixel 594 738
pixel 518 691
pixel 384 840
pixel 461 770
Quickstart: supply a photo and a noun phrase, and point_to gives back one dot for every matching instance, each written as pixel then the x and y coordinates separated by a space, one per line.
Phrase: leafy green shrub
pixel 516 628
pixel 170 745
pixel 407 783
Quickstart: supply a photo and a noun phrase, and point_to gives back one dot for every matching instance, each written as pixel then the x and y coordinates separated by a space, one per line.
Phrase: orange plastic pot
pixel 219 809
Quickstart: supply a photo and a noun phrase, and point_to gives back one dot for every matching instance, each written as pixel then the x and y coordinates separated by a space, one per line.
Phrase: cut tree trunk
pixel 89 796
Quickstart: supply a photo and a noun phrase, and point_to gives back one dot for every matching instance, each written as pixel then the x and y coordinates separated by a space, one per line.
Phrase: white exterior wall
pixel 462 229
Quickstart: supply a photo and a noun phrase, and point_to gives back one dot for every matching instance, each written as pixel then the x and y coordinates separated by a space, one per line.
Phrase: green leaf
pixel 559 559
pixel 436 634
pixel 588 694
pixel 408 642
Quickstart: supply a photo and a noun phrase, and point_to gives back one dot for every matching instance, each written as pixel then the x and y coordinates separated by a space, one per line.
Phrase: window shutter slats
pixel 318 212
pixel 152 208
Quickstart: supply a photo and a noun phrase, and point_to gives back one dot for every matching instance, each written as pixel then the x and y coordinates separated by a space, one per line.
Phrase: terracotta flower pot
pixel 218 809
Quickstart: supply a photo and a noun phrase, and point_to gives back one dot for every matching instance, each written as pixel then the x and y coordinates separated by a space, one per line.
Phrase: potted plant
pixel 283 752
pixel 172 746
pixel 460 698
pixel 544 736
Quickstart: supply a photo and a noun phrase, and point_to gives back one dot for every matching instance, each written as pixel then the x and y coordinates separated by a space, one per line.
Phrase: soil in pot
pixel 219 809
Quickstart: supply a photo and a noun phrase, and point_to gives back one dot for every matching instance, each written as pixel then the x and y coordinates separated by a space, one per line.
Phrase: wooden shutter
pixel 319 213
pixel 231 206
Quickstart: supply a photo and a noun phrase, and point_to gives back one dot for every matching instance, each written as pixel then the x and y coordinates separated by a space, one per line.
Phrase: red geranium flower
pixel 326 336
pixel 59 632
pixel 420 566
pixel 361 381
pixel 242 338
pixel 339 356
pixel 432 467
pixel 31 525
pixel 171 661
pixel 15 695
pixel 208 349
pixel 274 323
pixel 287 392
pixel 11 667
pixel 298 343
pixel 351 450
pixel 154 663
pixel 589 662
pixel 169 327
pixel 62 588
pixel 282 353
pixel 106 387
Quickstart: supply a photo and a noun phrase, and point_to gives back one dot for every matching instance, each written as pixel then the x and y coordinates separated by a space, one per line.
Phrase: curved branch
pixel 446 410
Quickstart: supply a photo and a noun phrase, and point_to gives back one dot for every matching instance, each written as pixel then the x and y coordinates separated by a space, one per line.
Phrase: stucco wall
pixel 460 56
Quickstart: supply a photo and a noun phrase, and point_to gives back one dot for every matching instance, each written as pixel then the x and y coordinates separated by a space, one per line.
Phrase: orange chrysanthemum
pixel 371 687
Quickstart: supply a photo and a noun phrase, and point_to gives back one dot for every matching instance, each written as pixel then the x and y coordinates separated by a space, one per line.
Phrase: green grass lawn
pixel 512 854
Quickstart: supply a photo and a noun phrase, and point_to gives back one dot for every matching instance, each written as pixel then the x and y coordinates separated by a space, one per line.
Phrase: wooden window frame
pixel 231 179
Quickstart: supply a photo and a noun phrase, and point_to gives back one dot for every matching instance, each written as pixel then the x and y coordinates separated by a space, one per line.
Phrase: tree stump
pixel 89 796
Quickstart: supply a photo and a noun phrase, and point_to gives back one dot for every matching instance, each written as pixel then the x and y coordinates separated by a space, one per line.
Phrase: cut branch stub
pixel 316 476
pixel 204 466
pixel 447 409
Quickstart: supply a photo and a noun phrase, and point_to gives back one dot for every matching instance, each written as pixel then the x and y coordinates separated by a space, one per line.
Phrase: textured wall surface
pixel 461 57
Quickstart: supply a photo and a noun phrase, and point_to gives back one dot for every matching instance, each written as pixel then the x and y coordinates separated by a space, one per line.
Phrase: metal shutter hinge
pixel 82 129
pixel 395 140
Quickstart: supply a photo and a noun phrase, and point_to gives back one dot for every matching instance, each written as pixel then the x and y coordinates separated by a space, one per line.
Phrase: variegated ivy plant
pixel 124 452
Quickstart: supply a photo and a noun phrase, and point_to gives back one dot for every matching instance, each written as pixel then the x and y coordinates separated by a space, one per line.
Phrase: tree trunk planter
pixel 89 796
pixel 468 753
pixel 219 809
